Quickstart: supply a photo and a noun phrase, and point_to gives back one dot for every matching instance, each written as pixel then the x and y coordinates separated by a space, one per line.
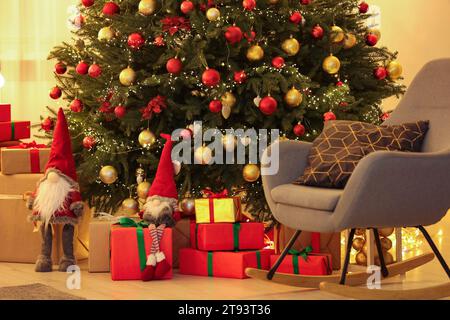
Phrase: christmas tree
pixel 136 69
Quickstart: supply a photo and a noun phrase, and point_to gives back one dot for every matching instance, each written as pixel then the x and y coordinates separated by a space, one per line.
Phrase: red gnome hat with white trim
pixel 61 157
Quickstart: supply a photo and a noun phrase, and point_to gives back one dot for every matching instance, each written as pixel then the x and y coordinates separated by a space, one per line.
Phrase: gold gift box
pixel 224 210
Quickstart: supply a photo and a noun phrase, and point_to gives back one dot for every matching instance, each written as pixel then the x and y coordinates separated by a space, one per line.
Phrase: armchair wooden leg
pixel 347 256
pixel 435 249
pixel 283 255
pixel 384 270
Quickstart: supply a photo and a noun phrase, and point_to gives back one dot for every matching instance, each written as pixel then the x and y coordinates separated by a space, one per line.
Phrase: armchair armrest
pixel 293 158
pixel 396 189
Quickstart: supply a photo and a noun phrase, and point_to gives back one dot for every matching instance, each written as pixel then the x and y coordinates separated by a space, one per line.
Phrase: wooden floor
pixel 100 286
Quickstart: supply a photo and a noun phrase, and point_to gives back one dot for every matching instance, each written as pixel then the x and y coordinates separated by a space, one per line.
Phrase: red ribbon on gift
pixel 34 147
pixel 211 195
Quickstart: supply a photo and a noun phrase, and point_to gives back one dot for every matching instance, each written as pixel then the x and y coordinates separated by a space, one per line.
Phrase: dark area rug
pixel 35 291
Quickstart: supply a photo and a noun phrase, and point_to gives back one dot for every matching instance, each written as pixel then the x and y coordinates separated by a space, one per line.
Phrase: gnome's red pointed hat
pixel 61 157
pixel 164 183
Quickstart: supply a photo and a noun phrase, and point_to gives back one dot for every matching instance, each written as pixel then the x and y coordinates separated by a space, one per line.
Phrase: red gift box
pixel 5 112
pixel 222 264
pixel 227 236
pixel 14 130
pixel 125 257
pixel 316 264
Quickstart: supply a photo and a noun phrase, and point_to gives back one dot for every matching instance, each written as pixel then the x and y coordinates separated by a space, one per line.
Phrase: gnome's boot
pixel 68 259
pixel 44 260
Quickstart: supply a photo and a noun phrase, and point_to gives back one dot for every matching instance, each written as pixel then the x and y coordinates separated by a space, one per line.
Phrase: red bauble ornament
pixel 385 116
pixel 215 106
pixel 317 32
pixel 76 105
pixel 55 93
pixel 278 62
pixel 305 2
pixel 233 35
pixel 135 41
pixel 111 8
pixel 159 41
pixel 363 7
pixel 187 6
pixel 268 105
pixel 296 17
pixel 174 66
pixel 299 130
pixel 249 4
pixel 240 76
pixel 371 40
pixel 89 142
pixel 250 36
pixel 60 68
pixel 329 116
pixel 87 3
pixel 120 111
pixel 95 71
pixel 211 77
pixel 339 84
pixel 47 124
pixel 82 68
pixel 380 73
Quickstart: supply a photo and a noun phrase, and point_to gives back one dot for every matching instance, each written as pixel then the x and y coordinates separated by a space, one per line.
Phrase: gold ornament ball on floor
pixel 147 7
pixel 255 53
pixel 142 189
pixel 203 155
pixel 228 100
pixel 337 34
pixel 395 70
pixel 291 46
pixel 127 77
pixel 365 251
pixel 350 41
pixel 388 259
pixel 251 173
pixel 358 244
pixel 293 98
pixel 147 138
pixel 213 14
pixel 331 65
pixel 386 244
pixel 108 174
pixel 361 259
pixel 360 232
pixel 105 34
pixel 130 207
pixel 386 232
pixel 188 207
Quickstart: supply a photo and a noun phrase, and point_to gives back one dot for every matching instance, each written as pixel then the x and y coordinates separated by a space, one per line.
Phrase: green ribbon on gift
pixel 258 259
pixel 130 223
pixel 295 254
pixel 210 264
pixel 13 131
pixel 236 230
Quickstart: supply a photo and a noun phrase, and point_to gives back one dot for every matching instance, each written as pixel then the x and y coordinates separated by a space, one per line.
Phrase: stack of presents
pixel 218 241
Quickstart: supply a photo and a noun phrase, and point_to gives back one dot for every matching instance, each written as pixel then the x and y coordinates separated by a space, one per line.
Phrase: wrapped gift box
pixel 216 210
pixel 316 264
pixel 227 236
pixel 7 144
pixel 24 158
pixel 222 264
pixel 181 239
pixel 125 257
pixel 5 112
pixel 15 130
pixel 99 245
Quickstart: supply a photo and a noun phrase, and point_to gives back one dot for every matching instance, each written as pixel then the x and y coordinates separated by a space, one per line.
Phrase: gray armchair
pixel 387 189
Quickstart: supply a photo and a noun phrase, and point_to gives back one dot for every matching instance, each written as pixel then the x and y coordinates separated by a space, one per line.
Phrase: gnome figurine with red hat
pixel 159 211
pixel 57 199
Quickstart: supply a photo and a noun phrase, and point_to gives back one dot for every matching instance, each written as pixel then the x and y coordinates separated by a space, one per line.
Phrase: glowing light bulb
pixel 2 81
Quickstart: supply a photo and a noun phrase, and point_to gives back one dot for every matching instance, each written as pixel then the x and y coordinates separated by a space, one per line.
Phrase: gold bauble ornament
pixel 142 189
pixel 129 207
pixel 293 98
pixel 106 34
pixel 331 65
pixel 229 142
pixel 255 53
pixel 360 232
pixel 188 207
pixel 358 243
pixel 365 249
pixel 350 41
pixel 228 100
pixel 148 7
pixel 337 34
pixel 388 259
pixel 376 32
pixel 203 155
pixel 127 77
pixel 213 14
pixel 395 70
pixel 386 244
pixel 147 138
pixel 251 173
pixel 291 46
pixel 108 174
pixel 361 259
pixel 386 232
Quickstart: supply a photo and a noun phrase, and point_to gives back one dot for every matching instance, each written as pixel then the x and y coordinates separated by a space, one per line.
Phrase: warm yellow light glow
pixel 2 81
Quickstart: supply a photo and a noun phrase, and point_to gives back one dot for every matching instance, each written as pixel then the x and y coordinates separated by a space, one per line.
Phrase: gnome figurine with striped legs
pixel 160 211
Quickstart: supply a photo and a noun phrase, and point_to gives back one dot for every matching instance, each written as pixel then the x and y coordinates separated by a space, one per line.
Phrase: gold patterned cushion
pixel 342 144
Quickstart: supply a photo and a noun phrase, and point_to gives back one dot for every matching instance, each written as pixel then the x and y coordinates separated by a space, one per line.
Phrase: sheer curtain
pixel 28 31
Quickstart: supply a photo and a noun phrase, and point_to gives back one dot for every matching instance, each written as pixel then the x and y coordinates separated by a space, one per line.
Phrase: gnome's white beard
pixel 51 197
